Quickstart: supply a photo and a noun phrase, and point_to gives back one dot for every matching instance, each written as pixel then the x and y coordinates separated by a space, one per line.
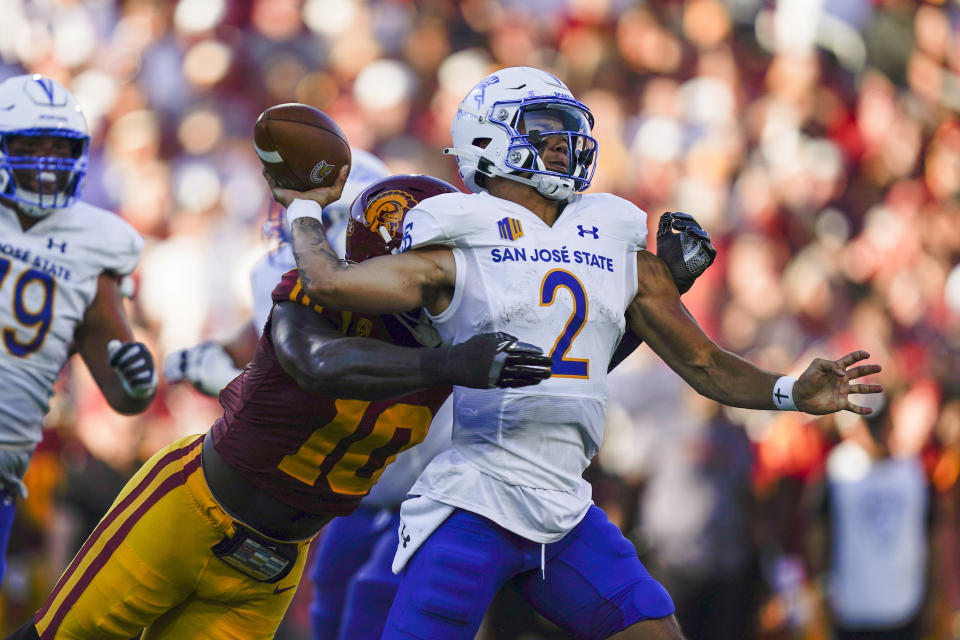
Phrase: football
pixel 300 146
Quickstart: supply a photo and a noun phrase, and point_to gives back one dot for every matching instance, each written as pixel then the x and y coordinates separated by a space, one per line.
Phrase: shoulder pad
pixel 112 240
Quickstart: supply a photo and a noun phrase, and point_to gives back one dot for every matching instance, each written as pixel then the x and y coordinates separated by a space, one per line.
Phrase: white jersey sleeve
pixel 441 220
pixel 264 276
pixel 119 246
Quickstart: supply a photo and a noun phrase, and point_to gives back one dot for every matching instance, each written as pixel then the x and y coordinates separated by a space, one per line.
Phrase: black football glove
pixel 489 360
pixel 685 247
pixel 134 366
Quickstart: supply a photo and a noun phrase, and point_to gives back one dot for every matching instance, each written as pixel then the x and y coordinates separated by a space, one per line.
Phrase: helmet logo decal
pixel 387 209
pixel 364 328
pixel 510 228
pixel 47 85
pixel 320 171
pixel 481 89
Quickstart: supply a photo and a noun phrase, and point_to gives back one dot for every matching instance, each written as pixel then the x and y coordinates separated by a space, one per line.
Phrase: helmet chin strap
pixel 32 210
pixel 552 187
pixel 424 332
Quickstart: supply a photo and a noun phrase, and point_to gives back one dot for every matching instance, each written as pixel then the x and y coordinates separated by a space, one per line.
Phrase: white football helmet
pixel 34 106
pixel 508 119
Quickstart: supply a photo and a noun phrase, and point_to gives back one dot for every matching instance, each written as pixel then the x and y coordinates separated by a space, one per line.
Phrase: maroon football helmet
pixel 375 227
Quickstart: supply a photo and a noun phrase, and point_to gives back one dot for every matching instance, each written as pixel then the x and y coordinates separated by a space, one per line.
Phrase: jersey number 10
pixel 352 457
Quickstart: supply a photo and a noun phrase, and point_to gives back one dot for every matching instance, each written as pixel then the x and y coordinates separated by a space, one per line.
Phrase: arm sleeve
pixel 264 276
pixel 440 220
pixel 636 224
pixel 421 228
pixel 291 290
pixel 119 245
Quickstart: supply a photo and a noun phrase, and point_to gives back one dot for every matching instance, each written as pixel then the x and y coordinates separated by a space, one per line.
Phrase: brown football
pixel 300 146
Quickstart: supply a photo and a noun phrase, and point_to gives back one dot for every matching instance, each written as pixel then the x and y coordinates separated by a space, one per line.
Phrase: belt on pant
pixel 244 501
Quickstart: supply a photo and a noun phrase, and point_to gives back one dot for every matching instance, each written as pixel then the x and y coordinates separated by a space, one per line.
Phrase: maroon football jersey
pixel 317 453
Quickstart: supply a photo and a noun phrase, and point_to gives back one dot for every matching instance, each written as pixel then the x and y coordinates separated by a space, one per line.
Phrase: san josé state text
pixel 37 262
pixel 561 255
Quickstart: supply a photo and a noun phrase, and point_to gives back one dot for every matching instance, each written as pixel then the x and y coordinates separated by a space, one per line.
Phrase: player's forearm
pixel 317 263
pixel 659 317
pixel 365 369
pixel 121 401
pixel 735 382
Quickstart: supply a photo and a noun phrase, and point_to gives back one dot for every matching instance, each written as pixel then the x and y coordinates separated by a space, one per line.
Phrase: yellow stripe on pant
pixel 148 564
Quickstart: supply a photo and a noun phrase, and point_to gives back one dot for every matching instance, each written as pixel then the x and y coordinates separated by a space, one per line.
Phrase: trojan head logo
pixel 364 328
pixel 387 210
pixel 320 171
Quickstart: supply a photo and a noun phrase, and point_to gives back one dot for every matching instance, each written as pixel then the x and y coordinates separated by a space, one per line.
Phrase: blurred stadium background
pixel 817 140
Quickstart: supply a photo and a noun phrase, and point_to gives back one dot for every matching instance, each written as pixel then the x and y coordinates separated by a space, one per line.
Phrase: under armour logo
pixel 404 539
pixel 51 244
pixel 595 232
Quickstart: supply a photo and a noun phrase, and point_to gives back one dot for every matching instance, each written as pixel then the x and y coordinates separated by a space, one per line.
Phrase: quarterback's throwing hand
pixel 826 385
pixel 321 195
pixel 133 365
pixel 685 247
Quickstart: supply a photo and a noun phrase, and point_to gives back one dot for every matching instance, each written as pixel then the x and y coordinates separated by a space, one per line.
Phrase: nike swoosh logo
pixel 277 590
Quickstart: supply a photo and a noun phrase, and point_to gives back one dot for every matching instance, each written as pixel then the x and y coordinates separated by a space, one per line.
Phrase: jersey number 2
pixel 564 367
pixel 30 318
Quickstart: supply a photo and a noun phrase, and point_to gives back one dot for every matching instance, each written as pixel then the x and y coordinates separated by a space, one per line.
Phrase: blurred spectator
pixel 872 544
pixel 689 454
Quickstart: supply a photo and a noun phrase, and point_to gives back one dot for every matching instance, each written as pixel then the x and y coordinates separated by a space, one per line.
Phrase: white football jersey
pixel 518 454
pixel 48 278
pixel 264 277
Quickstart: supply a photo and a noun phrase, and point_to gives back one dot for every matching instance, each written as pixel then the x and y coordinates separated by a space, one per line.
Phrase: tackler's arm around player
pixel 122 367
pixel 386 284
pixel 323 361
pixel 657 315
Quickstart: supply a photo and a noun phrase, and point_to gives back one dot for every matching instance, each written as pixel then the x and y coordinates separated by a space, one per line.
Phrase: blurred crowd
pixel 817 140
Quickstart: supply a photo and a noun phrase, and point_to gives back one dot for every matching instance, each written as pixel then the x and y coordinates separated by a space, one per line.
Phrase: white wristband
pixel 783 393
pixel 303 209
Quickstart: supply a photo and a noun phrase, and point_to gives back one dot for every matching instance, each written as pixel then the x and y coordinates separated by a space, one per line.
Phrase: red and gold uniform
pixel 150 563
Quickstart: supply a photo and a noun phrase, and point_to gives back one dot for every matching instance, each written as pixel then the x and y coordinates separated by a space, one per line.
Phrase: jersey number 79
pixel 29 318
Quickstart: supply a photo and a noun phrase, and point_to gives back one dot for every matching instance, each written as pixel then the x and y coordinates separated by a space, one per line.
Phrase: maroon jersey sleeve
pixel 290 290
pixel 317 453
